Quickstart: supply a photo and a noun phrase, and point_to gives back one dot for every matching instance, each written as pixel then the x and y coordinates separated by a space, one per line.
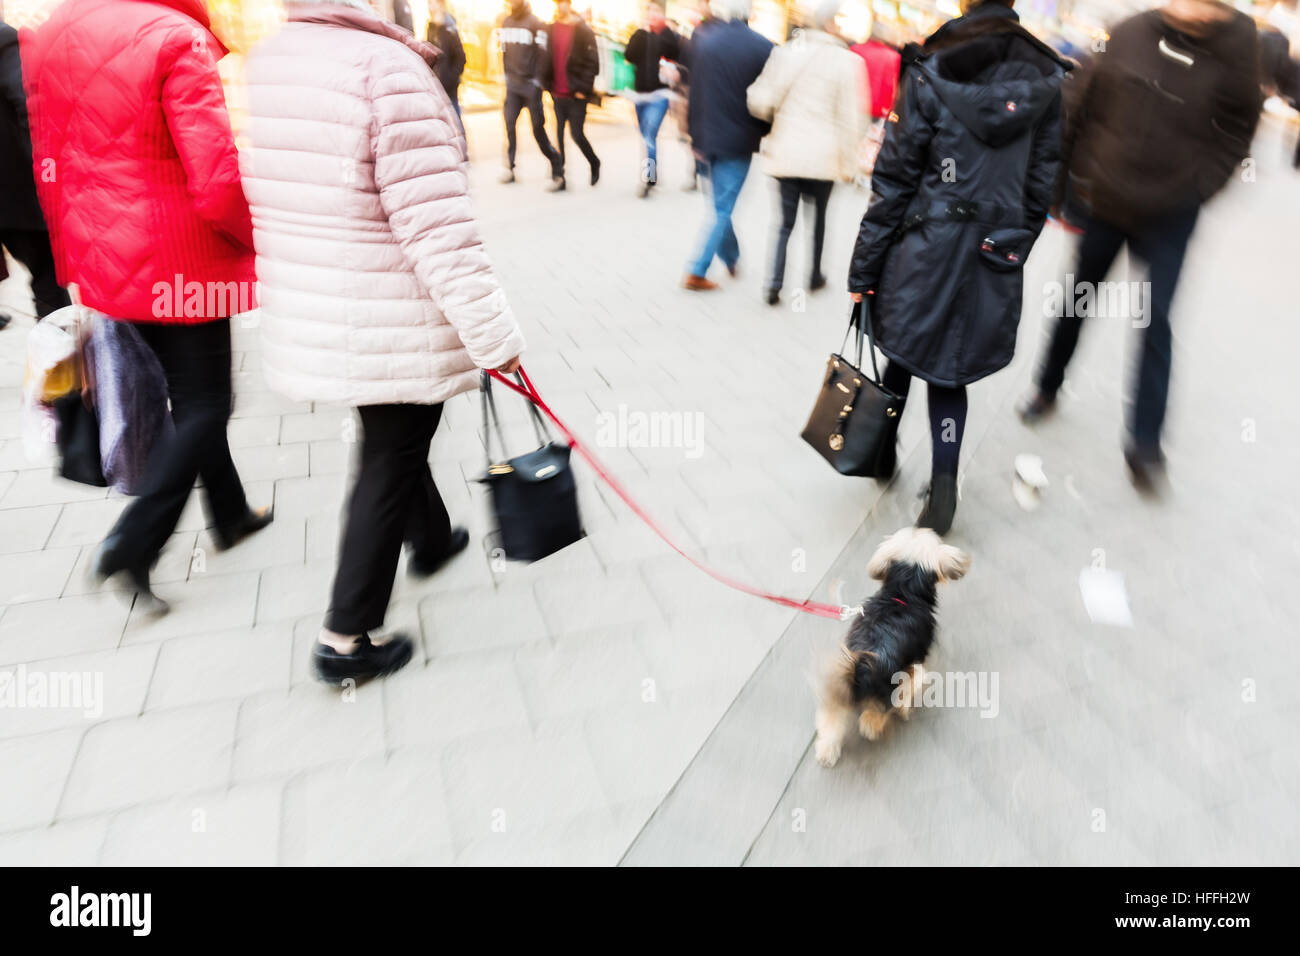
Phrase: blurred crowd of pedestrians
pixel 350 209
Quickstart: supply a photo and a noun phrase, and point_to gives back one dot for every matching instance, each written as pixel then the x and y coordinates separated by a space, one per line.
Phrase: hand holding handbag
pixel 854 424
pixel 534 496
pixel 78 433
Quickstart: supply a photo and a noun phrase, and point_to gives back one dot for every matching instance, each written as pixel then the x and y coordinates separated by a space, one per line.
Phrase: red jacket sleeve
pixel 195 106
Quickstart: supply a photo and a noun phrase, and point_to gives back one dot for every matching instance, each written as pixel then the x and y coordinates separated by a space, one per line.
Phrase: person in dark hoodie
pixel 961 189
pixel 1156 125
pixel 443 34
pixel 523 57
pixel 22 226
pixel 570 75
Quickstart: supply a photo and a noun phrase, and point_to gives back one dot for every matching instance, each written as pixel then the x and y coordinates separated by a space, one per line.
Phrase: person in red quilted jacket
pixel 137 174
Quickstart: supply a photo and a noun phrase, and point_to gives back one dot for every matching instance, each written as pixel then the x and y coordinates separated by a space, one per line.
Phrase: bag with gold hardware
pixel 534 496
pixel 854 424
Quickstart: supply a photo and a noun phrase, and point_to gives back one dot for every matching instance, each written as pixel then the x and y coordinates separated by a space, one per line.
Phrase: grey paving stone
pixel 34 577
pixel 373 811
pixel 61 627
pixel 137 760
pixel 76 843
pixel 26 529
pixel 235 827
pixel 42 763
pixel 308 727
pixel 78 690
pixel 226 665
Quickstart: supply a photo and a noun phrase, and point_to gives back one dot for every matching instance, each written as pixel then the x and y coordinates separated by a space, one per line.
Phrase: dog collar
pixel 901 601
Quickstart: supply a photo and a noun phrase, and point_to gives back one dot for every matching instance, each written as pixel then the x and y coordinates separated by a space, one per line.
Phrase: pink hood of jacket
pixel 375 284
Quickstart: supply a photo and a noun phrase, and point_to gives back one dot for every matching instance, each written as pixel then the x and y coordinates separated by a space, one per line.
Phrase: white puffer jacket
pixel 375 286
pixel 812 91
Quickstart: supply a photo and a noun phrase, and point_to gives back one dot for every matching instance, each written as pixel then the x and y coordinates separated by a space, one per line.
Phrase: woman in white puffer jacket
pixel 376 290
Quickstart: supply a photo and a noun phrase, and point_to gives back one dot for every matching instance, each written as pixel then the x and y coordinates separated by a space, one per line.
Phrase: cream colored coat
pixel 812 91
pixel 375 285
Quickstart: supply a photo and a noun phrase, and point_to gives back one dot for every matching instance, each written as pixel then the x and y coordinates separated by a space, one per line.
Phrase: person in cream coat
pixel 376 289
pixel 812 92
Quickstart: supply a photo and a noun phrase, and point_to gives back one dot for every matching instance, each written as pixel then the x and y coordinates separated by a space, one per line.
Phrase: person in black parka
pixel 22 225
pixel 960 191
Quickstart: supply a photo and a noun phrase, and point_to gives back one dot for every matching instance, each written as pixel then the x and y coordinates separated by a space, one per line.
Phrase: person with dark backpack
pixel 961 189
pixel 569 74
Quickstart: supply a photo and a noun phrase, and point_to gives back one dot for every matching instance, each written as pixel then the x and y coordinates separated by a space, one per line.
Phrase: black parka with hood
pixel 960 191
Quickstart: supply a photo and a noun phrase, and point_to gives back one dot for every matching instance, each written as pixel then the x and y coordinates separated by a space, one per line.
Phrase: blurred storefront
pixel 241 23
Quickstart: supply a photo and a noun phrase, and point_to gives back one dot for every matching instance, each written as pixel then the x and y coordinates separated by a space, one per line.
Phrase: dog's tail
pixel 837 679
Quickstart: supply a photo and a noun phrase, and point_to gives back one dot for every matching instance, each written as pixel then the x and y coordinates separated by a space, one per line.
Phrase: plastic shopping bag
pixel 51 373
pixel 131 398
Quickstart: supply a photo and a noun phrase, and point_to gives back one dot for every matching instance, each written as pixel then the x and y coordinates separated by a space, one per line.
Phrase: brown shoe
pixel 698 284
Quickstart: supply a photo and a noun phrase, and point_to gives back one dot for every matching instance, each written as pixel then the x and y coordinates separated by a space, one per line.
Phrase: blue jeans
pixel 726 176
pixel 650 115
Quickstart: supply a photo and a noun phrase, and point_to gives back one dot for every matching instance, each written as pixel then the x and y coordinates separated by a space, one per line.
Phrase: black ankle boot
pixel 366 660
pixel 1146 467
pixel 1036 407
pixel 940 504
pixel 421 567
pixel 250 523
pixel 106 564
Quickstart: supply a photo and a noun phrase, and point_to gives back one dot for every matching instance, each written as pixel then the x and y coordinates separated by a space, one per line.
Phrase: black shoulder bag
pixel 534 496
pixel 854 424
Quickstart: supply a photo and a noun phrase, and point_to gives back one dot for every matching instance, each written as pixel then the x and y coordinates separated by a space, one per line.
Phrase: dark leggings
pixel 947 417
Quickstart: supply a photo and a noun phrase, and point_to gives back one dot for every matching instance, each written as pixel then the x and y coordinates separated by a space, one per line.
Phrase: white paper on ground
pixel 1104 597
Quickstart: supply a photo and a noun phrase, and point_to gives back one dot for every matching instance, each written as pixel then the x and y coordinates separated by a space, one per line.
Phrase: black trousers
pixel 31 247
pixel 947 417
pixel 1162 244
pixel 515 102
pixel 196 361
pixel 393 500
pixel 571 111
pixel 818 193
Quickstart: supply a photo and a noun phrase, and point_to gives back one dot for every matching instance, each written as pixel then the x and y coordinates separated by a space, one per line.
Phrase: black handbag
pixel 534 496
pixel 78 434
pixel 854 424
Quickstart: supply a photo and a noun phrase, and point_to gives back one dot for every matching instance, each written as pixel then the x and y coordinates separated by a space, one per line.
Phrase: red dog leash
pixel 529 391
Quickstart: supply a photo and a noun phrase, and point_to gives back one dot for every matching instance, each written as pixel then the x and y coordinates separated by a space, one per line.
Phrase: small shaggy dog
pixel 891 637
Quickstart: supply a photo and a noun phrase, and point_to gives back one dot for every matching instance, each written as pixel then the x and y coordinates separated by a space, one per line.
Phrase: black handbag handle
pixel 492 420
pixel 860 318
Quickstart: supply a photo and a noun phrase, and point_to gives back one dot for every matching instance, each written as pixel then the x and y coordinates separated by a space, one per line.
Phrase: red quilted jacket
pixel 135 162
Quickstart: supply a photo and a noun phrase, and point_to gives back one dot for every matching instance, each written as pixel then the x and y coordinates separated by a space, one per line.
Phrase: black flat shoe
pixel 773 296
pixel 1146 468
pixel 595 172
pixel 105 565
pixel 366 660
pixel 250 523
pixel 818 283
pixel 1036 407
pixel 419 567
pixel 940 504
